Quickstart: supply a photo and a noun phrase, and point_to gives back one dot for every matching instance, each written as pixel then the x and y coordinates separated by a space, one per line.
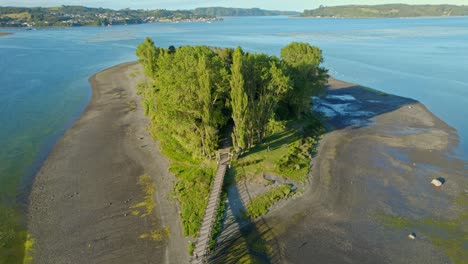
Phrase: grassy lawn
pixel 286 153
pixel 259 205
pixel 145 208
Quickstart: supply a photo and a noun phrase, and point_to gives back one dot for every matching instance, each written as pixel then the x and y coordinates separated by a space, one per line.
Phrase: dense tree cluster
pixel 229 11
pixel 195 92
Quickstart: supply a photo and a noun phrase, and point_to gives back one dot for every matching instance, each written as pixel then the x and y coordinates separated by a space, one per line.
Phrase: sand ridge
pixel 80 204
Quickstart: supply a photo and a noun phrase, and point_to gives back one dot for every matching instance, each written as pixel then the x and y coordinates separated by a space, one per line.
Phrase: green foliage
pixel 193 92
pixel 28 249
pixel 259 205
pixel 239 101
pixel 13 239
pixel 146 207
pixel 450 235
pixel 218 224
pixel 309 79
pixel 190 96
pixel 275 126
pixel 191 248
pixel 148 55
pixel 388 10
pixel 258 83
pixel 192 190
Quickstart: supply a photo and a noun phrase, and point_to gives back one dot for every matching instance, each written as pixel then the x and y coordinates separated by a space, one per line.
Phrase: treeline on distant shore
pixel 229 11
pixel 388 10
pixel 197 95
pixel 87 16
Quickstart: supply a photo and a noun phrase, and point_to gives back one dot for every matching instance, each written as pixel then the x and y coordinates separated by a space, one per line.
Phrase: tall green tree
pixel 308 77
pixel 191 86
pixel 148 54
pixel 239 101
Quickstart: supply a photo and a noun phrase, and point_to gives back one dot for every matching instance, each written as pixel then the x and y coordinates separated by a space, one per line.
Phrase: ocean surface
pixel 44 73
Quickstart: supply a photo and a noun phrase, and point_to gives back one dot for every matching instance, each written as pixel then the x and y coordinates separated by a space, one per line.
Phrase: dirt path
pixel 80 206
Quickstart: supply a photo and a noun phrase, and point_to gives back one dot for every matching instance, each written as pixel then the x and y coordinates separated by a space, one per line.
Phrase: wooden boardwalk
pixel 200 254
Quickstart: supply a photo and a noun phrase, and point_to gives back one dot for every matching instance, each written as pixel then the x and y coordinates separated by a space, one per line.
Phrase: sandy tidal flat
pixel 83 199
pixel 378 160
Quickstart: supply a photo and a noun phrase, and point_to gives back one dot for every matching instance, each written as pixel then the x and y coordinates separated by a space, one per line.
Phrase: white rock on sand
pixel 436 182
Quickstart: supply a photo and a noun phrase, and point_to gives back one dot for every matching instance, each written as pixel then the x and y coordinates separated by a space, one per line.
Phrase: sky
pixel 297 5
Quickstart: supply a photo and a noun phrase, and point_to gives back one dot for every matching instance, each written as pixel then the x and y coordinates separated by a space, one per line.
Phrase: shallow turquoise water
pixel 43 73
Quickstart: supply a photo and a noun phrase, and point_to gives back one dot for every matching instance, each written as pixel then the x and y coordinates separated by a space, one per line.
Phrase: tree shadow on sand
pixel 354 106
pixel 243 240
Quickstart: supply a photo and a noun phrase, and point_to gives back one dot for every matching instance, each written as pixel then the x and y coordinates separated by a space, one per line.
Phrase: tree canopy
pixel 198 91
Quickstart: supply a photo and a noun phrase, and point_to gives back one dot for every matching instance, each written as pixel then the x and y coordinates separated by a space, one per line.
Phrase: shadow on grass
pixel 243 240
pixel 274 142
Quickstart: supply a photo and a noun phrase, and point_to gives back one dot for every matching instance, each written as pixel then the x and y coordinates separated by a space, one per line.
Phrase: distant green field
pixel 22 16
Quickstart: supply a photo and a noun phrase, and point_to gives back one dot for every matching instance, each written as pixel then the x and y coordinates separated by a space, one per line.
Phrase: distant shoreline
pixel 411 17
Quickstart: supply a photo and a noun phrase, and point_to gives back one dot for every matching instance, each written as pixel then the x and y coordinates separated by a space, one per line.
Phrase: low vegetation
pixel 145 208
pixel 195 92
pixel 218 224
pixel 287 152
pixel 258 206
pixel 450 235
pixel 28 249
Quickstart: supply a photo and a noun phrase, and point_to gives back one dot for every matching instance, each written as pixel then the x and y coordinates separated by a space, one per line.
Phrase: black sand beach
pixel 379 159
pixel 80 205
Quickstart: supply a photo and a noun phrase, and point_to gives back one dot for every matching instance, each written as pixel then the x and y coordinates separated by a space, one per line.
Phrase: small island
pixel 386 11
pixel 287 175
pixel 201 99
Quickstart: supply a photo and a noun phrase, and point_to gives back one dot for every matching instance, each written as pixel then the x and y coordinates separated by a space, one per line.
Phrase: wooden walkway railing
pixel 200 254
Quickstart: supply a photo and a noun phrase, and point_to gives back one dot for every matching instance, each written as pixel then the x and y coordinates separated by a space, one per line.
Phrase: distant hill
pixel 72 16
pixel 389 10
pixel 228 11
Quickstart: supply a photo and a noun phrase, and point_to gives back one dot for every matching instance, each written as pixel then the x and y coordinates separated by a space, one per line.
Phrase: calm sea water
pixel 44 88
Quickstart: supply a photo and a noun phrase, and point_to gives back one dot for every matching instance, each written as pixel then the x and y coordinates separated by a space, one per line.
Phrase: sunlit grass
pixel 259 205
pixel 146 208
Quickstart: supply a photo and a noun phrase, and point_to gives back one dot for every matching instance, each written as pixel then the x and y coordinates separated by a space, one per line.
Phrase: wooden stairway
pixel 200 254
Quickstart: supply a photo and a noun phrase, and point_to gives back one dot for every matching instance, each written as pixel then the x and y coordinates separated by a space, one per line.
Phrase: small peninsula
pixel 315 168
pixel 386 11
